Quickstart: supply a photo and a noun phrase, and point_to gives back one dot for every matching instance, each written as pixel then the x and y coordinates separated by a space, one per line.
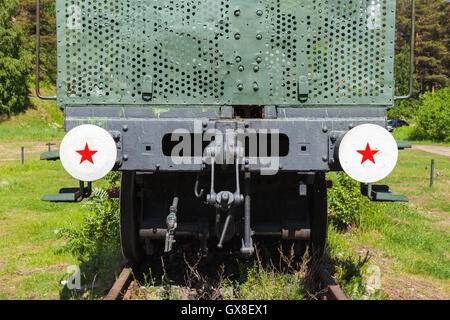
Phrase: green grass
pixel 39 122
pixel 410 240
pixel 28 227
pixel 32 263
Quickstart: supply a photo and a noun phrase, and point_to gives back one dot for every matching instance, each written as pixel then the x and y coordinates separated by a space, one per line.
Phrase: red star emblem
pixel 367 154
pixel 86 154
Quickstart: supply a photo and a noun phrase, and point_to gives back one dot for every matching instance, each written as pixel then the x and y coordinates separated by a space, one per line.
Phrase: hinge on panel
pixel 302 89
pixel 147 88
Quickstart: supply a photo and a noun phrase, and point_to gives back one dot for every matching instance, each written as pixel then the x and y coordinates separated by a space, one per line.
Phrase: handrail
pixel 412 58
pixel 38 36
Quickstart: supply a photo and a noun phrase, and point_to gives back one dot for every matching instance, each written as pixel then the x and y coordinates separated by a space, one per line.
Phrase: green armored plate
pixel 225 52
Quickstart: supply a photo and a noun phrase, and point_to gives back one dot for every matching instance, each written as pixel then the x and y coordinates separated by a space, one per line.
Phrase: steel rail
pixel 120 286
pixel 334 291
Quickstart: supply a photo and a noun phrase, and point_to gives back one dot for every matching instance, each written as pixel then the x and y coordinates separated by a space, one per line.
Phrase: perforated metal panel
pixel 212 52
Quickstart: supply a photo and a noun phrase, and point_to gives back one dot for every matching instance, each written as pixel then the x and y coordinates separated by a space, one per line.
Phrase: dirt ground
pixel 441 150
pixel 10 151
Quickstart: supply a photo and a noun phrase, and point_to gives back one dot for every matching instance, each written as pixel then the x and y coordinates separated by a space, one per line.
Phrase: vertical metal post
pixel 49 146
pixel 38 47
pixel 411 55
pixel 247 209
pixel 247 243
pixel 22 154
pixel 432 173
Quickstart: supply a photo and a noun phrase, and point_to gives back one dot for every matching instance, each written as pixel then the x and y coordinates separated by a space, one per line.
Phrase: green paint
pixel 325 78
pixel 158 111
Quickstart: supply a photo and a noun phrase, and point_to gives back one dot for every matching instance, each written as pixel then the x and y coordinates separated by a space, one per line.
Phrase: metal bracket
pixel 171 222
pixel 118 139
pixel 333 143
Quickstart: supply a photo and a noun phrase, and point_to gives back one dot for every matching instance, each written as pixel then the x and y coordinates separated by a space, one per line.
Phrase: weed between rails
pixel 183 275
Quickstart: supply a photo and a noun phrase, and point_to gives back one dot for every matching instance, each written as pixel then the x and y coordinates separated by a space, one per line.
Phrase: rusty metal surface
pixel 120 286
pixel 334 291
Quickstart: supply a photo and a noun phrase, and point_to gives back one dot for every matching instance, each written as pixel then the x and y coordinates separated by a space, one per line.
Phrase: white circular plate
pixel 368 153
pixel 88 152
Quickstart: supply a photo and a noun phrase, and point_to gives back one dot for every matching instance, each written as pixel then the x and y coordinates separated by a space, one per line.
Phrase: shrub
pixel 98 232
pixel 345 202
pixel 433 116
pixel 15 62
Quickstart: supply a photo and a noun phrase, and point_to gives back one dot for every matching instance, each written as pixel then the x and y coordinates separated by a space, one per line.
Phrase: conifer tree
pixel 432 40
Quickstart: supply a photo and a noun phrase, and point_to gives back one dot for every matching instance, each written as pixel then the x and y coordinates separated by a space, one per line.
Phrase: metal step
pixel 381 193
pixel 70 194
pixel 50 155
pixel 403 145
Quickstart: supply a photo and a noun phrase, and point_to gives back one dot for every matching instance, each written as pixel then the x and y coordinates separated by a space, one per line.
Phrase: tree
pixel 432 37
pixel 433 116
pixel 403 109
pixel 15 61
pixel 27 20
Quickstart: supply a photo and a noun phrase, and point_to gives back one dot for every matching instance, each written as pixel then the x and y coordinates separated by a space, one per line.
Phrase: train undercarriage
pixel 160 210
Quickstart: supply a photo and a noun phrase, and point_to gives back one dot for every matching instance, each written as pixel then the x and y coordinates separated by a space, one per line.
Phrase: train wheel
pixel 129 229
pixel 318 212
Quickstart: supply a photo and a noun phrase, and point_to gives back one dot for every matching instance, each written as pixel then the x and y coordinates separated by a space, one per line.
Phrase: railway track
pixel 332 289
pixel 121 285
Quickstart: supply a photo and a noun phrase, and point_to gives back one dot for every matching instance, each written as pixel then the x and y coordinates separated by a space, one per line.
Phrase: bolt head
pixel 241 68
pixel 238 59
pixel 325 158
pixel 237 36
pixel 325 129
pixel 237 12
pixel 258 59
pixel 258 36
pixel 259 12
pixel 256 68
pixel 125 127
pixel 125 157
